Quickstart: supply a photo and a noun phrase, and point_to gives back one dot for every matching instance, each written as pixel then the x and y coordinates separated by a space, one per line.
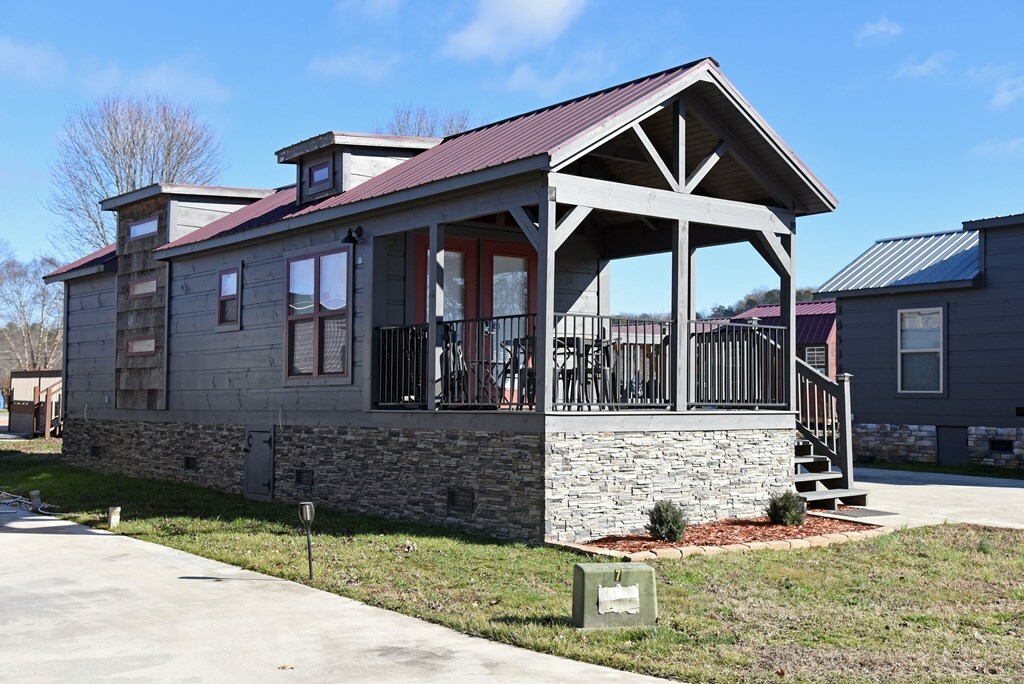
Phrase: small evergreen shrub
pixel 786 509
pixel 666 521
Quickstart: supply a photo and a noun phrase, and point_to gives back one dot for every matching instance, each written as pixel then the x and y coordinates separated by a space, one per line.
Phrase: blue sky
pixel 911 112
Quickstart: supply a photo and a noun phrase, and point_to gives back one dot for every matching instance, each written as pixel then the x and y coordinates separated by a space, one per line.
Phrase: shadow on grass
pixel 538 620
pixel 231 579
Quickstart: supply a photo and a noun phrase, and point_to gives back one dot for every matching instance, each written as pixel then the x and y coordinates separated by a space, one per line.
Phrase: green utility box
pixel 614 595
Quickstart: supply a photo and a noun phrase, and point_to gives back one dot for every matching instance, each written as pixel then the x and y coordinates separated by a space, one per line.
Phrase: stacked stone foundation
pixel 568 487
pixel 918 444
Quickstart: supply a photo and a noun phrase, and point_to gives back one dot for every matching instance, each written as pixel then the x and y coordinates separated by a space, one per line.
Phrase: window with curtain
pixel 319 315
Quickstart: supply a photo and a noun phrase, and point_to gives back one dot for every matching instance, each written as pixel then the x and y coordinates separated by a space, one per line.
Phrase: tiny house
pixel 421 328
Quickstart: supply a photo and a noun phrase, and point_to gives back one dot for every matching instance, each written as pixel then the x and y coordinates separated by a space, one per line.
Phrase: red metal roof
pixel 814 320
pixel 100 256
pixel 267 210
pixel 542 131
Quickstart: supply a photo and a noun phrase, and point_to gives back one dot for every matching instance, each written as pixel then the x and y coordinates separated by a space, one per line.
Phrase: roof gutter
pixel 976 281
pixel 94 269
pixel 388 201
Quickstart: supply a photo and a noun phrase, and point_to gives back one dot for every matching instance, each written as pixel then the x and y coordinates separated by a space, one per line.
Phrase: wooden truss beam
pixel 652 203
pixel 741 154
pixel 653 156
pixel 704 168
pixel 771 249
pixel 559 233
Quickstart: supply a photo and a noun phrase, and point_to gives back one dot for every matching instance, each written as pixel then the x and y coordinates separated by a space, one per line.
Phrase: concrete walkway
pixel 84 605
pixel 934 498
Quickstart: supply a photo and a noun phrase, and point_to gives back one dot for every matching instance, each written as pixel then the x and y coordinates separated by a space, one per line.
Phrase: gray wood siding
pixel 984 347
pixel 190 215
pixel 366 162
pixel 231 374
pixel 89 367
pixel 577 276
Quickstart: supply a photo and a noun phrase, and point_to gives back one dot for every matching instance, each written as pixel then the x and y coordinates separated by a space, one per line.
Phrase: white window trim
pixel 823 348
pixel 900 351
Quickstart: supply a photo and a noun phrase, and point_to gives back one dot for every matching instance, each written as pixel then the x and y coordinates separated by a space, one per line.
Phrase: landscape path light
pixel 306 514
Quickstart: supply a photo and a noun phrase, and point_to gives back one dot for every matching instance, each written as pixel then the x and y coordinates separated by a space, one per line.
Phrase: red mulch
pixel 731 531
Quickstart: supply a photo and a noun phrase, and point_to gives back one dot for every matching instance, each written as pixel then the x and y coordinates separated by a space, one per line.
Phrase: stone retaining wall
pixel 893 442
pixel 604 483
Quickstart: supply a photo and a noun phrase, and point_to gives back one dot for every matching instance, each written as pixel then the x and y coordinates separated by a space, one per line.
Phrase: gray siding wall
pixel 984 347
pixel 89 367
pixel 192 215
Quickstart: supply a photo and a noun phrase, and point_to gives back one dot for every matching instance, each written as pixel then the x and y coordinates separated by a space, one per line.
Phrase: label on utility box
pixel 618 599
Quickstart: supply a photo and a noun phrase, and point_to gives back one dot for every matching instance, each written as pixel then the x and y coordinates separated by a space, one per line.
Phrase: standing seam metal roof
pixel 915 260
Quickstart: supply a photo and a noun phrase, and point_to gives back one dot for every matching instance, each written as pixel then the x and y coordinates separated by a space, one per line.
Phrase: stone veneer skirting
pixel 894 442
pixel 918 444
pixel 604 483
pixel 568 487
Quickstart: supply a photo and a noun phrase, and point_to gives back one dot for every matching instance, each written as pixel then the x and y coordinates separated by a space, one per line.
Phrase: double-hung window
pixel 319 314
pixel 227 297
pixel 920 350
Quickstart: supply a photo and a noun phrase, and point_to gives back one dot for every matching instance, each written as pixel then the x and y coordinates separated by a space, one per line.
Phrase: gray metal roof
pixel 914 260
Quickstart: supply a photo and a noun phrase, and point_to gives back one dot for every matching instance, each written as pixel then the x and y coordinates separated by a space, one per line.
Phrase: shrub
pixel 786 509
pixel 666 521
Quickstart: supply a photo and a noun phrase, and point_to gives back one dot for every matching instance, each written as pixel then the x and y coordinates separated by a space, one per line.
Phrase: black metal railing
pixel 487 363
pixel 402 376
pixel 611 362
pixel 737 365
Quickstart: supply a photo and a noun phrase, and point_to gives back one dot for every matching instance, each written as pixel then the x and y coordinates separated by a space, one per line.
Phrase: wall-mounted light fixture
pixel 354 234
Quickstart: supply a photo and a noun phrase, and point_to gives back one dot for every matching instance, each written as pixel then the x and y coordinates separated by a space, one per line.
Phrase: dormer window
pixel 319 174
pixel 142 228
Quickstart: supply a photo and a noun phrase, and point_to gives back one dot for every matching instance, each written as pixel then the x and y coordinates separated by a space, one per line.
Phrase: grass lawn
pixel 939 604
pixel 975 470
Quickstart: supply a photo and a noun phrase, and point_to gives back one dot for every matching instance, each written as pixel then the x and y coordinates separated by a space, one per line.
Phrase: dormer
pixel 331 163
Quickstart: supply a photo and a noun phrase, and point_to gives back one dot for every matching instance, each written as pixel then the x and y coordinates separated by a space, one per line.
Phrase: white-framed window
pixel 919 350
pixel 142 228
pixel 817 358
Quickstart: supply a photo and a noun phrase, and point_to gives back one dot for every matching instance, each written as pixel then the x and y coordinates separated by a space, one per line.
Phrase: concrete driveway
pixel 84 605
pixel 934 498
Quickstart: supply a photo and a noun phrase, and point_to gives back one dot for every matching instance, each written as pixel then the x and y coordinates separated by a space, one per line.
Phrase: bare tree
pixel 118 145
pixel 31 315
pixel 425 122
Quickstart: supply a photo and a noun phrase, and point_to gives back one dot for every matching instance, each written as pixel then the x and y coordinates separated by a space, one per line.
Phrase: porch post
pixel 787 291
pixel 545 306
pixel 681 296
pixel 435 312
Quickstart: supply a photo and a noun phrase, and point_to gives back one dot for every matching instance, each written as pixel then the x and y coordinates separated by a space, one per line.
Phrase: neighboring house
pixel 931 328
pixel 35 402
pixel 815 331
pixel 419 328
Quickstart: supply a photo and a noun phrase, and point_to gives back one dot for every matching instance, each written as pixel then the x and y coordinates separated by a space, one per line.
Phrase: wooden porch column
pixel 545 306
pixel 681 296
pixel 435 312
pixel 787 291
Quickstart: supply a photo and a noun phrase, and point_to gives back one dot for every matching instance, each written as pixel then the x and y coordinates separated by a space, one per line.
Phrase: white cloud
pixel 1007 81
pixel 371 67
pixel 501 28
pixel 933 65
pixel 883 28
pixel 999 148
pixel 32 64
pixel 375 9
pixel 177 79
pixel 585 68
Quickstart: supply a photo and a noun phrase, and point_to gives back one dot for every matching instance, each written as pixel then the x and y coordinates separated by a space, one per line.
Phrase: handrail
pixel 824 417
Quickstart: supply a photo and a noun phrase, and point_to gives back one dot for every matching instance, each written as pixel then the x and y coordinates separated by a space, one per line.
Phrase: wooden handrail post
pixel 845 438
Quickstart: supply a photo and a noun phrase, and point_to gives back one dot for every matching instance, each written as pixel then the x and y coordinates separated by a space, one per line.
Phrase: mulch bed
pixel 731 531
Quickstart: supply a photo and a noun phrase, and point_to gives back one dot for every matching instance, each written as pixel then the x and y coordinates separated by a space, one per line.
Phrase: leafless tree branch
pixel 118 145
pixel 425 122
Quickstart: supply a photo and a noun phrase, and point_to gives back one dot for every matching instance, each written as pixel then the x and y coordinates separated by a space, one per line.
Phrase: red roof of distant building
pixel 814 320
